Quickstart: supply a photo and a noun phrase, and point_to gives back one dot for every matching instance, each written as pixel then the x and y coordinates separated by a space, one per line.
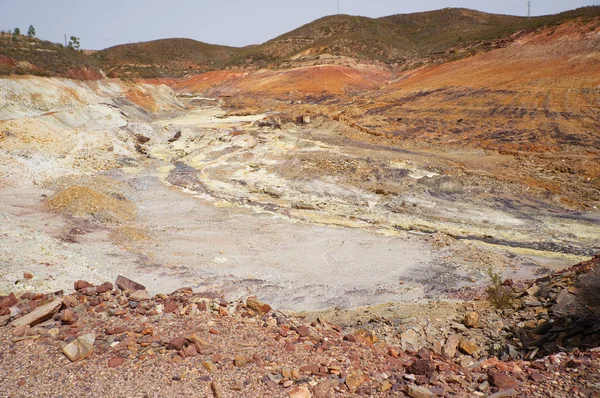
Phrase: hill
pixel 31 56
pixel 165 57
pixel 444 34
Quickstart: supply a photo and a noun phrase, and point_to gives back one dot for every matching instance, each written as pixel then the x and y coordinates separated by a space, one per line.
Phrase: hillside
pixel 30 56
pixel 165 57
pixel 444 34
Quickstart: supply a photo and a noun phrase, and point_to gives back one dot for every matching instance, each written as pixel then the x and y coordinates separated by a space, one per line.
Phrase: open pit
pixel 301 214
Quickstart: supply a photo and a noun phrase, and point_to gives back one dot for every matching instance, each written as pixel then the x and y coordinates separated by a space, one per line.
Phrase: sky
pixel 101 24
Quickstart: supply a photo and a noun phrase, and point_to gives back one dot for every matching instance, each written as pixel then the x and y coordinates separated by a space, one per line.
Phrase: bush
pixel 499 296
pixel 588 297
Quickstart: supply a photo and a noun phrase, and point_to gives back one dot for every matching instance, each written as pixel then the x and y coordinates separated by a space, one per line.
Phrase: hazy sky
pixel 105 23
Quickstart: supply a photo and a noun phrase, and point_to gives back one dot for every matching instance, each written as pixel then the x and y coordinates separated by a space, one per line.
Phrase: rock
pixel 566 303
pixel 40 314
pixel 409 341
pixel 105 287
pixel 421 367
pixel 241 360
pixel 469 347
pixel 355 380
pixel 68 316
pixel 209 366
pixel 300 392
pixel 385 386
pixel 176 344
pixel 418 392
pixel 7 301
pixel 365 336
pixel 216 390
pixel 533 290
pixel 115 362
pixel 504 394
pixel 4 319
pixel 323 389
pixel 502 380
pixel 27 275
pixel 176 137
pixel 261 308
pixel 303 331
pixel 139 295
pixel 80 285
pixel 471 319
pixel 80 348
pixel 127 284
pixel 449 349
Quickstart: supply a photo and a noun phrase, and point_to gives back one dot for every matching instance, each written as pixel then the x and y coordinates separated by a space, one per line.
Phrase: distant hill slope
pixel 165 57
pixel 404 38
pixel 30 56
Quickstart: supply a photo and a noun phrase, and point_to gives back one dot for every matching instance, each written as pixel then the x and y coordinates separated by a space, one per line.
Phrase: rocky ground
pixel 117 340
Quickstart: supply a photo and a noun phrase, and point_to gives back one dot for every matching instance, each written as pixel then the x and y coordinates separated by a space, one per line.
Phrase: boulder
pixel 127 284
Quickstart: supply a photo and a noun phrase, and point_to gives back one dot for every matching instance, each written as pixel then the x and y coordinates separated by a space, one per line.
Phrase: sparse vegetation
pixel 74 43
pixel 499 296
pixel 31 31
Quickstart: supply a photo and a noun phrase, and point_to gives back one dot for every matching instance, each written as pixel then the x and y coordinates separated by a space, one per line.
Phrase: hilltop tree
pixel 16 34
pixel 74 43
pixel 31 31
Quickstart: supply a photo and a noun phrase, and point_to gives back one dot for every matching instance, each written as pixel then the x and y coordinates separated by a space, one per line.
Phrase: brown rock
pixel 127 284
pixel 209 366
pixel 80 348
pixel 20 330
pixel 216 390
pixel 303 331
pixel 385 386
pixel 115 330
pixel 68 317
pixel 241 360
pixel 190 351
pixel 176 344
pixel 105 287
pixel 300 392
pixel 80 285
pixel 365 336
pixel 115 362
pixel 308 369
pixel 355 380
pixel 421 367
pixel 449 349
pixel 40 314
pixel 258 306
pixel 471 319
pixel 323 389
pixel 410 341
pixel 418 392
pixel 469 347
pixel 8 301
pixel 139 295
pixel 502 380
pixel 290 347
pixel 27 275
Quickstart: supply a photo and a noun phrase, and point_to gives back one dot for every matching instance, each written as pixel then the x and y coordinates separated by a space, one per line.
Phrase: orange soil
pixel 325 79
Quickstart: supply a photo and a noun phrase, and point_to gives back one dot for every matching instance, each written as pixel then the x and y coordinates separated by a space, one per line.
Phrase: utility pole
pixel 529 9
pixel 65 39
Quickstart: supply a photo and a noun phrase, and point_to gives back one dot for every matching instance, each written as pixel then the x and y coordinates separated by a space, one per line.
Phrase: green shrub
pixel 499 296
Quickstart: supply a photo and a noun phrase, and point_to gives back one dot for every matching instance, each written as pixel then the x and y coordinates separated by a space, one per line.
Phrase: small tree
pixel 31 31
pixel 16 34
pixel 74 43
